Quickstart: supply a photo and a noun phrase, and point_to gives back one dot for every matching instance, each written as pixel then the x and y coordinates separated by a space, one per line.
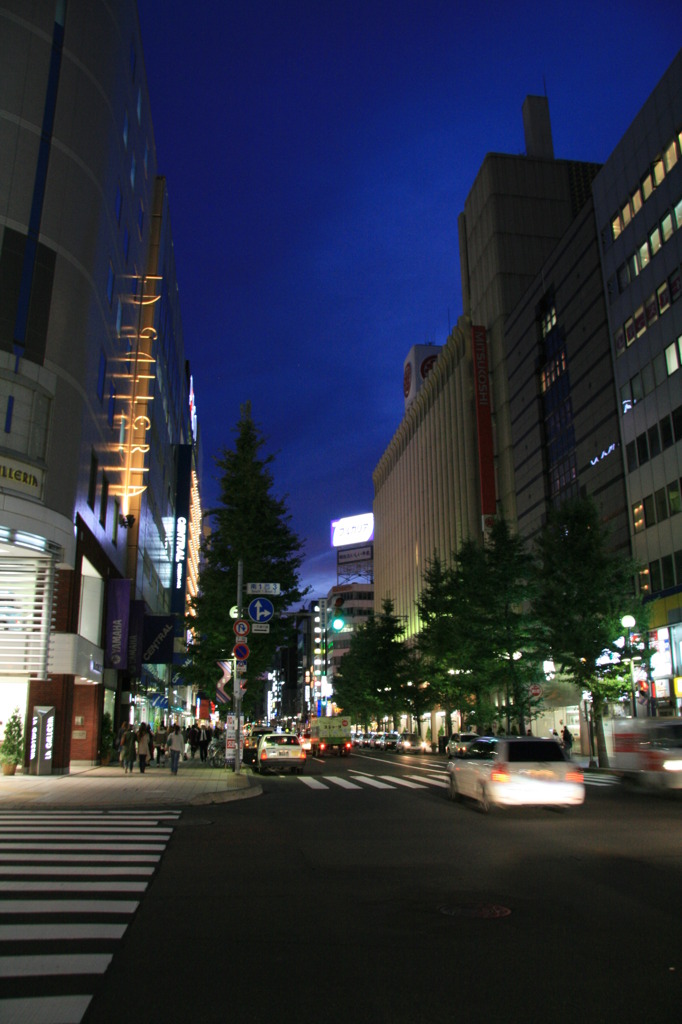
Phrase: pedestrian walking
pixel 175 744
pixel 160 744
pixel 129 748
pixel 204 737
pixel 144 747
pixel 568 741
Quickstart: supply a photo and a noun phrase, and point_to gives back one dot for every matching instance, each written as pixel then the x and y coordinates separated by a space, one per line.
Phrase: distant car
pixel 376 739
pixel 515 772
pixel 387 741
pixel 278 751
pixel 411 743
pixel 306 741
pixel 251 742
pixel 459 741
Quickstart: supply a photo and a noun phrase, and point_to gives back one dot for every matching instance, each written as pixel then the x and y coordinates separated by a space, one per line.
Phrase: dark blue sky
pixel 318 153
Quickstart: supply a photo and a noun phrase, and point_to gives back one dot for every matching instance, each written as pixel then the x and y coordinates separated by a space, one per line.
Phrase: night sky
pixel 318 153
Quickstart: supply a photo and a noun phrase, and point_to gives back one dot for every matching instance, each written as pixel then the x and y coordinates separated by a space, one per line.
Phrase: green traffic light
pixel 338 623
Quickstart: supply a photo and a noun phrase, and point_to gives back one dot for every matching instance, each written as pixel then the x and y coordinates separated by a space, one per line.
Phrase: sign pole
pixel 237 680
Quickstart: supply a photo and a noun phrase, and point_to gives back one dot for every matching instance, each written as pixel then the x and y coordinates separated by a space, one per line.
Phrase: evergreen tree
pixel 250 525
pixel 585 588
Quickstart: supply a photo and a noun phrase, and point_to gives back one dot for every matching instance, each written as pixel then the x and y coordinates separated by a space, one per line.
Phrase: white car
pixel 516 772
pixel 278 751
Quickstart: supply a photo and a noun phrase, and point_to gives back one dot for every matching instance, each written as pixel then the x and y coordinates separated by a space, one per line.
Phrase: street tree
pixel 252 526
pixel 585 588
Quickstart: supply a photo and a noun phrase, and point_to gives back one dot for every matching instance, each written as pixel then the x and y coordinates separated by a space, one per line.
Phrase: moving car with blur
pixel 515 771
pixel 411 743
pixel 279 751
pixel 648 751
pixel 387 741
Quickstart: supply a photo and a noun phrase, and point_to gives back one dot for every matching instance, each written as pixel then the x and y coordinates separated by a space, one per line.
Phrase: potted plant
pixel 12 749
pixel 106 742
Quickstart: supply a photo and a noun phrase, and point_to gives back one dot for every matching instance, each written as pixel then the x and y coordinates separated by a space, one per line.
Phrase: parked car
pixel 376 739
pixel 251 742
pixel 388 741
pixel 278 751
pixel 459 741
pixel 514 772
pixel 411 743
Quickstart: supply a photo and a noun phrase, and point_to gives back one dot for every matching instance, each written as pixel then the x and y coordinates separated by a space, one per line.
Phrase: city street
pixel 386 902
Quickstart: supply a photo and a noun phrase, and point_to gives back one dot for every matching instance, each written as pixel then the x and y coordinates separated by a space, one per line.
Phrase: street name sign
pixel 263 588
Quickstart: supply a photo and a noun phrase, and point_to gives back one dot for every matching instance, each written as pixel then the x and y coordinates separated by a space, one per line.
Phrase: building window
pixel 644 582
pixel 548 321
pixel 649 510
pixel 626 214
pixel 661 502
pixel 670 156
pixel 642 449
pixel 654 441
pixel 677 213
pixel 647 375
pixel 663 297
pixel 636 388
pixel 636 201
pixel 638 523
pixel 666 428
pixel 640 321
pixel 674 502
pixel 655 242
pixel 623 277
pixel 631 456
pixel 672 359
pixel 655 577
pixel 619 341
pixel 92 482
pixel 658 171
pixel 643 255
pixel 677 423
pixel 667 572
pixel 667 227
pixel 616 226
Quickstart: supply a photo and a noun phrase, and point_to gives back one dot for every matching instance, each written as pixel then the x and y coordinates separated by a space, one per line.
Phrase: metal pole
pixel 237 681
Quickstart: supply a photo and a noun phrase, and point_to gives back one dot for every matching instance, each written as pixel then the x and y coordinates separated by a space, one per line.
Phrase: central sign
pixel 241 651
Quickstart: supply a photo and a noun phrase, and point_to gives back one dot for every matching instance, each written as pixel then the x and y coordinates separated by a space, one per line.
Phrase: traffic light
pixel 337 620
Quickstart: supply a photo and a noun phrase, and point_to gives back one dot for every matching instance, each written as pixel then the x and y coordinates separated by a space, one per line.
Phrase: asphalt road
pixel 369 899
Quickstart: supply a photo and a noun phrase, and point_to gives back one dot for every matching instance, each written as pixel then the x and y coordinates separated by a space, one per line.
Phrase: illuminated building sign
pixel 353 530
pixel 182 517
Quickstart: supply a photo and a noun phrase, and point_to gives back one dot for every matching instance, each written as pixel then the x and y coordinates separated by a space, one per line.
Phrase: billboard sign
pixel 353 530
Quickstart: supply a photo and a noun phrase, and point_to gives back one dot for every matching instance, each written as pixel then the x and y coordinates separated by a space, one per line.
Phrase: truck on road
pixel 332 733
pixel 649 751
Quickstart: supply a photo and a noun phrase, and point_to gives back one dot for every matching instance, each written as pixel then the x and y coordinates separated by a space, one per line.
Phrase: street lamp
pixel 628 622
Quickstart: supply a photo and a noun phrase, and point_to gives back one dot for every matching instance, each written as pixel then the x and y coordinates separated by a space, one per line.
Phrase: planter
pixel 9 769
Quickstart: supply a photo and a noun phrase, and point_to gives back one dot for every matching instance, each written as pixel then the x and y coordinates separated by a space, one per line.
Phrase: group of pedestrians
pixel 141 744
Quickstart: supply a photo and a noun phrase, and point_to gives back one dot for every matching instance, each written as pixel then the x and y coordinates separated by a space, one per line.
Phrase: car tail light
pixel 323 746
pixel 348 746
pixel 263 754
pixel 500 773
pixel 574 775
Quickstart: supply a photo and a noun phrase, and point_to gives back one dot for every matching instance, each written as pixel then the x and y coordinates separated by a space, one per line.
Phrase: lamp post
pixel 627 622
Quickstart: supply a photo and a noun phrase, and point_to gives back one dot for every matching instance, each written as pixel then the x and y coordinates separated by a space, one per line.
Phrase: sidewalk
pixel 108 787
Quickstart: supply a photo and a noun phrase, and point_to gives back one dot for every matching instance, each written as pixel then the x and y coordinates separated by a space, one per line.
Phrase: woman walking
pixel 129 748
pixel 144 747
pixel 175 744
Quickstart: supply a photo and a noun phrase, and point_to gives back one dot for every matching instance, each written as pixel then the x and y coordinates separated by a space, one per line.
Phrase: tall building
pixel 99 453
pixel 638 211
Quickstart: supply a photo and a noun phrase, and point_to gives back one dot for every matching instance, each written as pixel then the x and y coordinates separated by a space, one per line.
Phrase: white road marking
pixel 45 1010
pixel 403 782
pixel 36 966
pixel 343 783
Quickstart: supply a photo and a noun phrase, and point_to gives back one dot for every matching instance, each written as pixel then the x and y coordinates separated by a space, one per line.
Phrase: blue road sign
pixel 261 610
pixel 240 651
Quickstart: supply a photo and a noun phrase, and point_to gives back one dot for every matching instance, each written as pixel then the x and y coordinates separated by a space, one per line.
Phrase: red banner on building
pixel 486 461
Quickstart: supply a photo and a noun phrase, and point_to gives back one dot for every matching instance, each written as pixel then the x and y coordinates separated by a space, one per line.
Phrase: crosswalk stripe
pixel 79 858
pixel 68 906
pixel 37 966
pixel 403 782
pixel 54 870
pixel 369 781
pixel 45 1010
pixel 60 886
pixel 312 783
pixel 430 782
pixel 343 783
pixel 59 933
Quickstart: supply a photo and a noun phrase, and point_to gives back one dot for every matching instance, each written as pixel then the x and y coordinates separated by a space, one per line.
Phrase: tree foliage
pixel 252 526
pixel 585 588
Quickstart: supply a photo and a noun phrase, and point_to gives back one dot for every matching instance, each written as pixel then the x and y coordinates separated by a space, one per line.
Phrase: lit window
pixel 638 517
pixel 643 255
pixel 633 266
pixel 647 186
pixel 655 242
pixel 670 156
pixel 672 360
pixel 629 331
pixel 619 341
pixel 658 171
pixel 626 214
pixel 651 309
pixel 644 582
pixel 616 226
pixel 636 201
pixel 667 227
